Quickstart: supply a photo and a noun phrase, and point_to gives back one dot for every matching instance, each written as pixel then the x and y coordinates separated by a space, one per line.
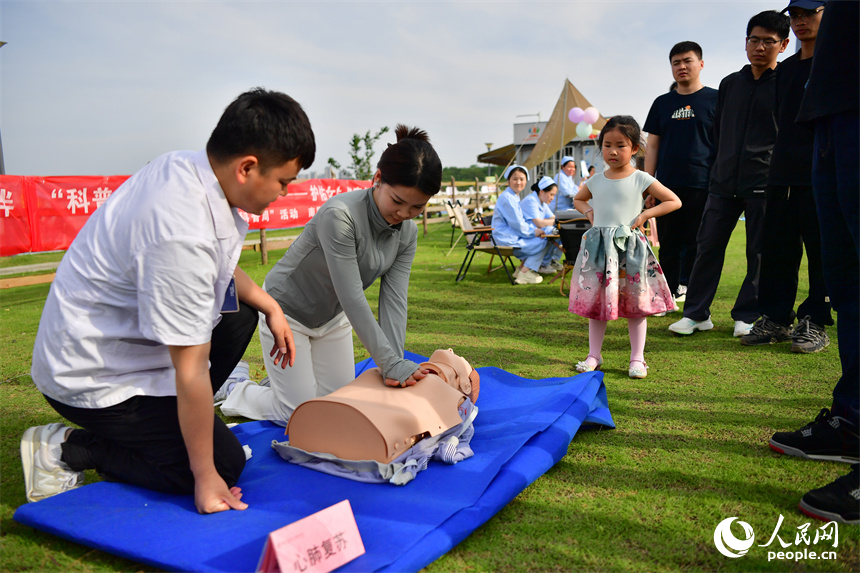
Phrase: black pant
pixel 139 441
pixel 791 221
pixel 230 339
pixel 718 221
pixel 835 178
pixel 677 231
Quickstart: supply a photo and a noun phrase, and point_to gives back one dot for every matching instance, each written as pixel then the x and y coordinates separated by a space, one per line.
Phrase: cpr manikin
pixel 372 432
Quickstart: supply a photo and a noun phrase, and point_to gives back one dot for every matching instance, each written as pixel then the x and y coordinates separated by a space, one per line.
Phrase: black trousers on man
pixel 678 231
pixel 139 441
pixel 718 221
pixel 790 223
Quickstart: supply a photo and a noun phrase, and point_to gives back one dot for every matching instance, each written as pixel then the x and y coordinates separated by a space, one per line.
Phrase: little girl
pixel 616 273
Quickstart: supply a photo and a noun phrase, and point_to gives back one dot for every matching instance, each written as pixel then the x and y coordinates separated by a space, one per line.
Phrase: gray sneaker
pixel 766 331
pixel 240 373
pixel 808 337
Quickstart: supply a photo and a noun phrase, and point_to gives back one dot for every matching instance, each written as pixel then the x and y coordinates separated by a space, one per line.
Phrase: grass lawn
pixel 690 449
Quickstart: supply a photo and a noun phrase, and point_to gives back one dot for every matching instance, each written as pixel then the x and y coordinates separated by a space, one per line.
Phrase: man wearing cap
pixel 679 153
pixel 791 219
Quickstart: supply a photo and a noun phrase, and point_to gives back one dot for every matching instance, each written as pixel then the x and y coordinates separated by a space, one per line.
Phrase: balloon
pixel 575 114
pixel 583 129
pixel 595 132
pixel 590 115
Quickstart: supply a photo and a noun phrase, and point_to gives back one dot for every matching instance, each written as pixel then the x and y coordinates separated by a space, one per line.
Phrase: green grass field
pixel 690 448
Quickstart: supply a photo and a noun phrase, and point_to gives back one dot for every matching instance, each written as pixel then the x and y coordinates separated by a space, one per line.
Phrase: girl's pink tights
pixel 596 332
pixel 637 327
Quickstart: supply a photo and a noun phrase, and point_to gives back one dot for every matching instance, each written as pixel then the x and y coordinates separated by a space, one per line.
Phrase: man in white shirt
pixel 124 342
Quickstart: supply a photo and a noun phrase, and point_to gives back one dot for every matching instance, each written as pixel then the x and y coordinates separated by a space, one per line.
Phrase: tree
pixel 469 173
pixel 361 154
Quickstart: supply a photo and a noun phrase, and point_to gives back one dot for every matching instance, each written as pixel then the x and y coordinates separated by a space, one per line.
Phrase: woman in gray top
pixel 354 239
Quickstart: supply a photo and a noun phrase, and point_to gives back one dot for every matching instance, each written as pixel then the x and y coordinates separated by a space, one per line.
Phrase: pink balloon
pixel 590 115
pixel 575 115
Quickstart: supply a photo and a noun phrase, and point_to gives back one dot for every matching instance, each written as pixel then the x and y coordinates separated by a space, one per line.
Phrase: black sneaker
pixel 808 337
pixel 829 437
pixel 766 331
pixel 838 501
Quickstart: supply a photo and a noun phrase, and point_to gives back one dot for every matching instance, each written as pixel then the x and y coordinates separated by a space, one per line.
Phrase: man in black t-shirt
pixel 791 219
pixel 679 153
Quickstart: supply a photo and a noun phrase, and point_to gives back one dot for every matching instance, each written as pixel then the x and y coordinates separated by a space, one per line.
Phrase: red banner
pixel 301 203
pixel 46 213
pixel 14 216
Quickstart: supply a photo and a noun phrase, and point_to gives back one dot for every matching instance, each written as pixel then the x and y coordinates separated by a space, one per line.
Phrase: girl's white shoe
pixel 585 366
pixel 638 369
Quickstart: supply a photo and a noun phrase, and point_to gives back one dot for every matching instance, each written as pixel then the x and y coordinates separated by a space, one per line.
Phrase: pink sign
pixel 318 543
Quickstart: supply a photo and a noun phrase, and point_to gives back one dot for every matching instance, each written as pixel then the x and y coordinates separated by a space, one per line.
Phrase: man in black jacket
pixel 744 134
pixel 791 220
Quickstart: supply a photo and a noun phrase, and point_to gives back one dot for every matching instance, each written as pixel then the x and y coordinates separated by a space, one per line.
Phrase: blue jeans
pixel 836 184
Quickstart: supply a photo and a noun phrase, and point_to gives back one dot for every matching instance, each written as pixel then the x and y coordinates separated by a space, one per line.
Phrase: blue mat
pixel 523 428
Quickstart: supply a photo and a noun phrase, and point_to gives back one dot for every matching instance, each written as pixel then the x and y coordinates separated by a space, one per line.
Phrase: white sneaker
pixel 547 270
pixel 682 293
pixel 528 277
pixel 689 326
pixel 44 473
pixel 516 273
pixel 742 328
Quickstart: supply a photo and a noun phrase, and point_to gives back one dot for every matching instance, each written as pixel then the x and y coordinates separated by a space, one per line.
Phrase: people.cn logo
pixel 727 543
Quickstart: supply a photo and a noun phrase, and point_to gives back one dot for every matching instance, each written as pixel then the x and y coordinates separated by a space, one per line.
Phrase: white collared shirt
pixel 149 269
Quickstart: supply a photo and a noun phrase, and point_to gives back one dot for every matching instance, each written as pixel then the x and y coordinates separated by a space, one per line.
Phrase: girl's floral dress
pixel 616 273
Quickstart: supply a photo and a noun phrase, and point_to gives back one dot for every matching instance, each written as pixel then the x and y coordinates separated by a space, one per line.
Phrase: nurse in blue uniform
pixel 536 208
pixel 511 229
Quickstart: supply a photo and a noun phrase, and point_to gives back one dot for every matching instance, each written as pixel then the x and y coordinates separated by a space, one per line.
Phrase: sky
pixel 100 88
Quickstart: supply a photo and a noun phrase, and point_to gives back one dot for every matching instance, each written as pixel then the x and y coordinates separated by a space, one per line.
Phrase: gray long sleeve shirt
pixel 344 248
